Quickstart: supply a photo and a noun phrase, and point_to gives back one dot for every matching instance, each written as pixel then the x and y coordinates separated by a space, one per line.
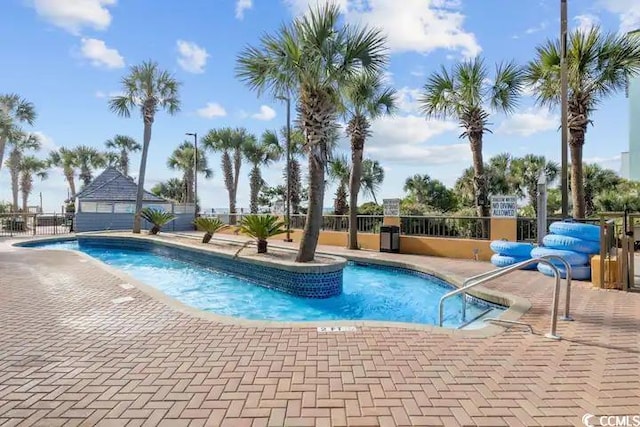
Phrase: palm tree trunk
pixel 255 182
pixel 309 240
pixel 124 162
pixel 137 220
pixel 14 171
pixel 70 180
pixel 354 190
pixel 577 182
pixel 3 146
pixel 237 162
pixel 227 169
pixel 479 183
pixel 296 186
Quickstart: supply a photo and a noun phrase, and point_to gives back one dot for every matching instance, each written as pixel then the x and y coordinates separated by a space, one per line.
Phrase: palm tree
pixel 260 154
pixel 87 159
pixel 371 178
pixel 461 94
pixel 366 99
pixel 597 180
pixel 13 111
pixel 23 143
pixel 498 175
pixel 231 144
pixel 30 166
pixel 183 159
pixel 172 189
pixel 112 159
pixel 418 187
pixel 339 172
pixel 125 145
pixel 599 65
pixel 149 89
pixel 527 171
pixel 66 159
pixel 316 59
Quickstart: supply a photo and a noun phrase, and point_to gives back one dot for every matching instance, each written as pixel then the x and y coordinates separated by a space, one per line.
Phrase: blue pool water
pixel 369 292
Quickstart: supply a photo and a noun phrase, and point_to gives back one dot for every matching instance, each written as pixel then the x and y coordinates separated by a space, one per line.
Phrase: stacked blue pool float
pixel 573 242
pixel 509 253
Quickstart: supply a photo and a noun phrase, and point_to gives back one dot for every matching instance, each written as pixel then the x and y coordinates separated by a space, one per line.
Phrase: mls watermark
pixel 590 420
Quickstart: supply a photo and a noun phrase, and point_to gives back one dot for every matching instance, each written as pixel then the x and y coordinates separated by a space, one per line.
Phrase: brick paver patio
pixel 70 356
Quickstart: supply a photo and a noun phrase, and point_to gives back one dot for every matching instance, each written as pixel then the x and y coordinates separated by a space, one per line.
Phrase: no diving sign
pixel 504 206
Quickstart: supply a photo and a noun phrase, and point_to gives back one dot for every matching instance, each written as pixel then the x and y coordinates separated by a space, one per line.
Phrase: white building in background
pixel 630 168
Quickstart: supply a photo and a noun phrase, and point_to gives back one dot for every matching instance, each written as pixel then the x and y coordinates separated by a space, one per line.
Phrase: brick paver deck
pixel 70 356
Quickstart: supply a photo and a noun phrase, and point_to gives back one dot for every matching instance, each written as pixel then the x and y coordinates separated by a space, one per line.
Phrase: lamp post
pixel 564 89
pixel 195 172
pixel 288 197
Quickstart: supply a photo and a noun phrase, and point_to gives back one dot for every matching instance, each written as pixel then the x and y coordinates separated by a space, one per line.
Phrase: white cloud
pixel 407 99
pixel 73 15
pixel 390 131
pixel 418 25
pixel 97 52
pixel 47 142
pixel 529 122
pixel 586 22
pixel 422 154
pixel 241 6
pixel 211 110
pixel 191 57
pixel 101 94
pixel 628 12
pixel 266 113
pixel 537 28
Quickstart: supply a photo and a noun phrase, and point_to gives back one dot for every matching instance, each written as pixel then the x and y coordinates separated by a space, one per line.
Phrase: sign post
pixel 542 208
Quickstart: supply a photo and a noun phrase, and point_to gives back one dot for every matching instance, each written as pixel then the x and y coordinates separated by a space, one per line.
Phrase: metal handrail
pixel 507 270
pixel 568 277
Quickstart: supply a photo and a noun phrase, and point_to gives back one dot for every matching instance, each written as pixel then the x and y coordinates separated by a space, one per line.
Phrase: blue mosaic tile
pixel 309 285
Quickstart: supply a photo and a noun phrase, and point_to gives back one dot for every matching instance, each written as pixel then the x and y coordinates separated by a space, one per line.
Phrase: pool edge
pixel 515 306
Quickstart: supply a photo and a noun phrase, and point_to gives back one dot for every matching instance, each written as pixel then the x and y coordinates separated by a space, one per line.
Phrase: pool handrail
pixel 568 277
pixel 485 277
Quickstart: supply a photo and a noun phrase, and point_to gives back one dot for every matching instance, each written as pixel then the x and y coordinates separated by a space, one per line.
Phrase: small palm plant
pixel 210 226
pixel 156 217
pixel 261 227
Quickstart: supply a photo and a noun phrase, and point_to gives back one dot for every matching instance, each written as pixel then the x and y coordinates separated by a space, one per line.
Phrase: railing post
pixel 554 309
pixel 35 223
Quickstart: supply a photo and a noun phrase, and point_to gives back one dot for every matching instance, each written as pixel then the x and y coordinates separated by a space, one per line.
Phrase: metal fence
pixel 527 228
pixel 29 224
pixel 366 223
pixel 436 226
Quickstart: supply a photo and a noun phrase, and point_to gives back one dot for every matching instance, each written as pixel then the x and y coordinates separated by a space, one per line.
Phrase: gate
pixel 620 239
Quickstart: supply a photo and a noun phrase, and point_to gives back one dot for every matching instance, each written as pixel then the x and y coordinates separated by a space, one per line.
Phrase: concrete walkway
pixel 76 348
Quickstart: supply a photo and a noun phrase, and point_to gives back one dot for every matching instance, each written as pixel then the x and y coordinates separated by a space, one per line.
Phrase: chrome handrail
pixel 502 272
pixel 568 277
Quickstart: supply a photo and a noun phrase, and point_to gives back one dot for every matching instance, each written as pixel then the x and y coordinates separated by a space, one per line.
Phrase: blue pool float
pixel 513 249
pixel 573 258
pixel 577 230
pixel 505 261
pixel 568 243
pixel 582 272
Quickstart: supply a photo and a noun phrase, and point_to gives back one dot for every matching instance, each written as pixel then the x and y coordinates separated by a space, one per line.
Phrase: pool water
pixel 369 292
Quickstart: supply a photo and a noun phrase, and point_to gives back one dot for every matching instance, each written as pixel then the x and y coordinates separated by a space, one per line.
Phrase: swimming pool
pixel 370 292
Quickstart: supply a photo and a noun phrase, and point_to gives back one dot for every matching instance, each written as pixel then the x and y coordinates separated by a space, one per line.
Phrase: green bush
pixel 156 217
pixel 261 227
pixel 210 226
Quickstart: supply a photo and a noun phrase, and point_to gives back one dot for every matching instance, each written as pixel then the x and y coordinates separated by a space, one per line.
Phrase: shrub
pixel 156 217
pixel 261 227
pixel 210 226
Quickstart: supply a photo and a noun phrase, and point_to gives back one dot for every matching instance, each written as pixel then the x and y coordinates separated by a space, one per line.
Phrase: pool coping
pixel 516 306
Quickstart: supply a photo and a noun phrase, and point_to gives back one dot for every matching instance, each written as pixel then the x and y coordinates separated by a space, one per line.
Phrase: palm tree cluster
pixel 23 166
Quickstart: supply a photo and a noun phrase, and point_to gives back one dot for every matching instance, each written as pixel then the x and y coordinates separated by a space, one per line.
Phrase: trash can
pixel 390 238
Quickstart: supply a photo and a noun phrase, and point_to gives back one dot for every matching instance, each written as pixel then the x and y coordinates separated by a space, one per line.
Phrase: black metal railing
pixel 527 228
pixel 28 224
pixel 446 226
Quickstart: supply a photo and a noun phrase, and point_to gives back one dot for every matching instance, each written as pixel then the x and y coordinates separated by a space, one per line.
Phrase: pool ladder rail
pixel 479 279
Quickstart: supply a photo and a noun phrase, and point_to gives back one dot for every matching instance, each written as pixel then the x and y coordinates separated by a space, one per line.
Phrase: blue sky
pixel 67 57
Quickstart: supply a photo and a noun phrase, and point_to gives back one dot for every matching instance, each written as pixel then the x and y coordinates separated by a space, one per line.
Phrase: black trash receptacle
pixel 390 238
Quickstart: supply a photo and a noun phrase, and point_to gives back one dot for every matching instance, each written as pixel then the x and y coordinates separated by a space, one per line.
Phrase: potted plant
pixel 210 226
pixel 156 217
pixel 261 227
